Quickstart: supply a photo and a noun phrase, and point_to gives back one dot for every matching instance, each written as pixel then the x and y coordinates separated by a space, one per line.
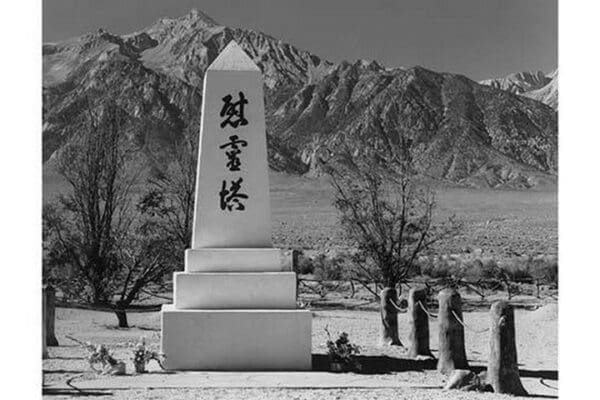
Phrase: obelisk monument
pixel 234 305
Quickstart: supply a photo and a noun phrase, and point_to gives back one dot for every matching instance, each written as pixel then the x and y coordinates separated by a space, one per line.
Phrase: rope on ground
pixel 545 384
pixel 433 316
pixel 70 379
pixel 156 295
pixel 466 326
pixel 139 309
pixel 76 340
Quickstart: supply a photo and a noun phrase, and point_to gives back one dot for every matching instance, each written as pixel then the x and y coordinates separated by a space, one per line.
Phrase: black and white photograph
pixel 278 199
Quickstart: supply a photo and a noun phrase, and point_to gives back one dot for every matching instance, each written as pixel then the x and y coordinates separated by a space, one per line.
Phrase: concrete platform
pixel 297 380
pixel 236 340
pixel 234 290
pixel 265 259
pixel 281 380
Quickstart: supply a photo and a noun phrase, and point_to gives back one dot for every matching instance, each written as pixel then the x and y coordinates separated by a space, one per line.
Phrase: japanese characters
pixel 234 112
pixel 231 195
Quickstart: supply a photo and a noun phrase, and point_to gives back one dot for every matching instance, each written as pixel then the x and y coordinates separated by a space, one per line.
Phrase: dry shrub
pixel 325 268
pixel 517 271
pixel 331 268
pixel 543 269
pixel 439 267
pixel 304 266
pixel 529 269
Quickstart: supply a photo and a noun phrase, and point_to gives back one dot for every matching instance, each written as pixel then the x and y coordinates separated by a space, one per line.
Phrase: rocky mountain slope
pixel 519 82
pixel 462 131
pixel 547 94
pixel 533 84
pixel 465 132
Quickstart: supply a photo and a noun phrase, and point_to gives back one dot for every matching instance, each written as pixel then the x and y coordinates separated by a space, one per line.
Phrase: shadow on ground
pixel 528 373
pixel 377 364
pixel 75 393
pixel 61 371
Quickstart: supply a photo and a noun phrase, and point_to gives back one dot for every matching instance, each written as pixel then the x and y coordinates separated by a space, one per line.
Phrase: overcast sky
pixel 478 38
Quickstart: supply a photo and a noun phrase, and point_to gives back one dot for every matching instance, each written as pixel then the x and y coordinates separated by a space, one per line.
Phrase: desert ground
pixel 536 336
pixel 502 223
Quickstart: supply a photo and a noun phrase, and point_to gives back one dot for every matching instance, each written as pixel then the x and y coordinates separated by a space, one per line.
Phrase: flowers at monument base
pixel 341 353
pixel 142 356
pixel 99 354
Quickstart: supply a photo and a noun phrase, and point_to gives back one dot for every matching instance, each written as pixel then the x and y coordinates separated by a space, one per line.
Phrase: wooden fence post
pixel 48 312
pixel 503 370
pixel 451 344
pixel 290 263
pixel 389 317
pixel 418 334
pixel 44 344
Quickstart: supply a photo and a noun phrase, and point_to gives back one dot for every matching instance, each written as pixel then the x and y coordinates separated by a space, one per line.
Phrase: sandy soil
pixel 302 394
pixel 502 223
pixel 536 341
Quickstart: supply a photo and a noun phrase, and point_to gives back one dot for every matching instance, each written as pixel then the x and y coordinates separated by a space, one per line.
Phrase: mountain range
pixel 547 94
pixel 467 133
pixel 533 84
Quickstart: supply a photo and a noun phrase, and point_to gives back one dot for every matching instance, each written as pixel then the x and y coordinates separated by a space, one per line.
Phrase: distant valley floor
pixel 501 223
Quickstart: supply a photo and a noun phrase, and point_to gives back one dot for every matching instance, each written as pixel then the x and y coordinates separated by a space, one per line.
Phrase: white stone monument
pixel 235 304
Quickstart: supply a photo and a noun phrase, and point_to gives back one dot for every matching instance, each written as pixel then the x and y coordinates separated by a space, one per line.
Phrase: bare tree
pixel 98 249
pixel 83 227
pixel 388 212
pixel 146 257
pixel 171 194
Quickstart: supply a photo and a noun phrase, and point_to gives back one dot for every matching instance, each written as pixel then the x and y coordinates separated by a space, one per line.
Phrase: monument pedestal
pixel 235 304
pixel 236 340
pixel 235 290
pixel 265 259
pixel 235 321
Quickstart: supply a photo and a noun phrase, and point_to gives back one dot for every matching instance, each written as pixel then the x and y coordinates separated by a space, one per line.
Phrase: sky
pixel 477 38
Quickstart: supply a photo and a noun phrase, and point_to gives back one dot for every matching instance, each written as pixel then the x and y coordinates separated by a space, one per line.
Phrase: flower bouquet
pixel 99 354
pixel 342 353
pixel 142 356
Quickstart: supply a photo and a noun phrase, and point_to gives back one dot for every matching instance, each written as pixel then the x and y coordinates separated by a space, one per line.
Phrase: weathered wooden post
pixel 503 370
pixel 44 345
pixel 290 263
pixel 451 344
pixel 389 317
pixel 353 288
pixel 418 335
pixel 48 294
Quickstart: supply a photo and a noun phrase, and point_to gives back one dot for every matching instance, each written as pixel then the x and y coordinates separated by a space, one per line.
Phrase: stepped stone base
pixel 236 340
pixel 231 290
pixel 233 260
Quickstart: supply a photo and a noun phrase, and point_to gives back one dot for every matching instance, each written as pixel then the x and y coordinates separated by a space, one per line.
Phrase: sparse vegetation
pixel 483 277
pixel 386 212
pixel 100 354
pixel 542 269
pixel 305 265
pixel 142 356
pixel 99 249
pixel 170 195
pixel 342 352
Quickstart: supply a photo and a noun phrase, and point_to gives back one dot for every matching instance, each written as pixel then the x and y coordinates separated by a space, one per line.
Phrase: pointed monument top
pixel 233 58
